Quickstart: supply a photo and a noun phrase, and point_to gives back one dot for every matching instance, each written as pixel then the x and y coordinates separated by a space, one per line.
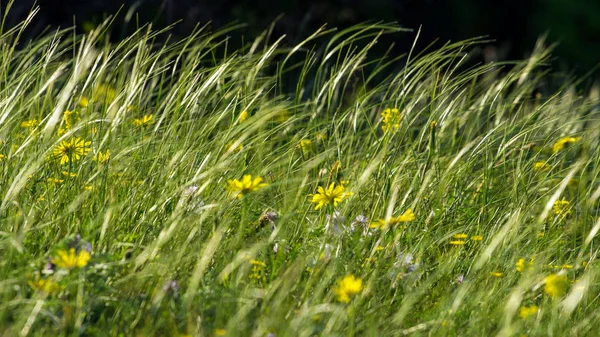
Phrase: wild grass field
pixel 157 187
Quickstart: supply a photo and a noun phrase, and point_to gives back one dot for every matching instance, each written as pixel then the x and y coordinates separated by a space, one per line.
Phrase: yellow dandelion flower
pixel 521 266
pixel 102 157
pixel 347 287
pixel 562 207
pixel 496 274
pixel 30 124
pixel 70 260
pixel 332 195
pixel 477 238
pixel 556 285
pixel 55 180
pixel 305 146
pixel 541 166
pixel 238 188
pixel 84 102
pixel 529 311
pixel 70 118
pixel 457 242
pixel 460 236
pixel 391 119
pixel 382 224
pixel 146 120
pixel 563 143
pixel 71 150
pixel 45 285
pixel 244 115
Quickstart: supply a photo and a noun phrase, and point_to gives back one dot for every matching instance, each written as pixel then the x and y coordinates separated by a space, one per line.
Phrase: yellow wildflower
pixel 102 157
pixel 477 238
pixel 71 150
pixel 383 224
pixel 55 180
pixel 69 174
pixel 562 207
pixel 244 115
pixel 526 312
pixel 30 124
pixel 541 166
pixel 70 118
pixel 332 195
pixel 239 188
pixel 555 285
pixel 45 285
pixel 84 102
pixel 391 119
pixel 321 136
pixel 347 287
pixel 2 156
pixel 521 266
pixel 566 266
pixel 146 120
pixel 305 146
pixel 70 260
pixel 457 242
pixel 564 142
pixel 496 274
pixel 460 236
pixel 220 332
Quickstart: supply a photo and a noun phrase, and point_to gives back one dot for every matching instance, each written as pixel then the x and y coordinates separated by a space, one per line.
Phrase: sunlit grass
pixel 181 188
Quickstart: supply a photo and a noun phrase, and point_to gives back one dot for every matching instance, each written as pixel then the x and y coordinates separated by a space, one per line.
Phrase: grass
pixel 125 212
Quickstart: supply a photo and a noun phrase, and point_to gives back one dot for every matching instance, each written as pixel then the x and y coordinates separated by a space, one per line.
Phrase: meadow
pixel 162 187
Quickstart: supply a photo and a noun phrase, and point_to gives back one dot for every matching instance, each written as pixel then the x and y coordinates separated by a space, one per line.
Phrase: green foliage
pixel 471 151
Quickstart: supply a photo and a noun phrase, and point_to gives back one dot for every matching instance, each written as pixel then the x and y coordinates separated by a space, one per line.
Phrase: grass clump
pixel 183 189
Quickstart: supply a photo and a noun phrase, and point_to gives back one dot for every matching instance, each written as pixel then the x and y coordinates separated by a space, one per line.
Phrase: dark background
pixel 515 25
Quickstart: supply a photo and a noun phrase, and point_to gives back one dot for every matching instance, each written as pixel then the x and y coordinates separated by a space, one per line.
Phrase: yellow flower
pixel 45 285
pixel 476 238
pixel 526 312
pixel 321 136
pixel 556 285
pixel 332 195
pixel 305 146
pixel 70 117
pixel 146 120
pixel 70 260
pixel 460 236
pixel 457 242
pixel 220 332
pixel 239 188
pixel 496 274
pixel 347 287
pixel 244 115
pixel 102 157
pixel 84 102
pixel 541 166
pixel 69 174
pixel 2 156
pixel 521 266
pixel 564 142
pixel 391 119
pixel 88 187
pixel 381 224
pixel 566 266
pixel 71 150
pixel 30 124
pixel 55 181
pixel 562 207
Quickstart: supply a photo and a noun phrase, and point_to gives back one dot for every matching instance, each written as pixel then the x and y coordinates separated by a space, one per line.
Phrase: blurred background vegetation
pixel 514 25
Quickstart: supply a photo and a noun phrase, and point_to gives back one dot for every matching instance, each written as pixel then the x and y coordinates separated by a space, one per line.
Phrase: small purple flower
pixel 171 287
